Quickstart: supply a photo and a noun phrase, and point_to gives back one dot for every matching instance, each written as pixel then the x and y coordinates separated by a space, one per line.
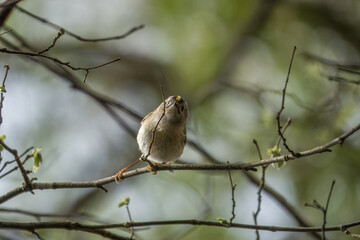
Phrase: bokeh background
pixel 229 59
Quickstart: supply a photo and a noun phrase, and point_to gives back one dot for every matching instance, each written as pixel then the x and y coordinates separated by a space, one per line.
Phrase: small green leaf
pixel 223 221
pixel 2 137
pixel 274 152
pixel 124 202
pixel 281 164
pixel 37 159
pixel 2 89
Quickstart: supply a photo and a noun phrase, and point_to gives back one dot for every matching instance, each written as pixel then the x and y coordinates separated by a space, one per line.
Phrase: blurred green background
pixel 229 59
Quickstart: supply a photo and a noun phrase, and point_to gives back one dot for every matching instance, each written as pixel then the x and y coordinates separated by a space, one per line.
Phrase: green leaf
pixel 2 137
pixel 37 159
pixel 275 152
pixel 124 202
pixel 281 164
pixel 223 221
pixel 2 89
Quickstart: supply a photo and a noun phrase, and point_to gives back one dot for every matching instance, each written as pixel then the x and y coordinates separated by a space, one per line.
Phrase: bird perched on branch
pixel 162 135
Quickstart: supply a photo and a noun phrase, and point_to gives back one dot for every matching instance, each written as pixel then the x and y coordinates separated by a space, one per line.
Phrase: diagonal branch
pixel 15 168
pixel 66 64
pixel 55 26
pixel 14 152
pixel 282 107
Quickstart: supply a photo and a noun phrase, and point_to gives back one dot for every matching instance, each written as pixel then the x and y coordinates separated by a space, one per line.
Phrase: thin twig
pixel 36 234
pixel 67 64
pixel 53 25
pixel 60 33
pixel 267 189
pixel 343 80
pixel 7 31
pixel 326 208
pixel 14 152
pixel 261 187
pixel 7 68
pixel 279 127
pixel 316 205
pixel 233 186
pixel 15 168
pixel 12 161
pixel 130 218
pixel 288 122
pixel 348 67
pixel 154 130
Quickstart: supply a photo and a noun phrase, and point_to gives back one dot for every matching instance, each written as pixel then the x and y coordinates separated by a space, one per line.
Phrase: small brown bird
pixel 170 134
pixel 162 137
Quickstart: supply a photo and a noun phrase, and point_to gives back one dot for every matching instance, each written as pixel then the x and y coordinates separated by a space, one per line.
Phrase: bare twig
pixel 233 186
pixel 346 67
pixel 349 68
pixel 7 68
pixel 326 208
pixel 288 122
pixel 53 25
pixel 315 204
pixel 36 234
pixel 14 152
pixel 36 215
pixel 279 127
pixel 154 131
pixel 261 186
pixel 15 168
pixel 67 64
pixel 60 33
pixel 343 80
pixel 7 31
pixel 130 218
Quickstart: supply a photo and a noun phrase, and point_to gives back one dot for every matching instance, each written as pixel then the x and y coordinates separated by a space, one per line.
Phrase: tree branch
pixel 55 26
pixel 233 186
pixel 66 64
pixel 2 90
pixel 282 107
pixel 93 227
pixel 165 167
pixel 15 168
pixel 261 187
pixel 20 165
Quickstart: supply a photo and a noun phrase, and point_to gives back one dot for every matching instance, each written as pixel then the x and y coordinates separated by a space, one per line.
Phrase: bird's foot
pixel 150 168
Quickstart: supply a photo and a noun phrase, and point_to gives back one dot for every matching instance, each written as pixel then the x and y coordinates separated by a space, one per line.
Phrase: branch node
pixel 102 188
